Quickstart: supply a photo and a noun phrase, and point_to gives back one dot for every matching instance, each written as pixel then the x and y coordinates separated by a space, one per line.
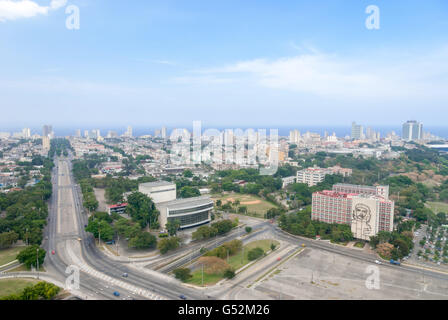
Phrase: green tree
pixel 172 226
pixel 189 192
pixel 141 209
pixel 229 274
pixel 182 274
pixel 30 255
pixel 188 173
pixel 255 253
pixel 7 239
pixel 100 228
pixel 168 244
pixel 143 240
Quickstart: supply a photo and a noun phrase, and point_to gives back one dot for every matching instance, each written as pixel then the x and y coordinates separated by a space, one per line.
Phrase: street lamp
pixel 37 262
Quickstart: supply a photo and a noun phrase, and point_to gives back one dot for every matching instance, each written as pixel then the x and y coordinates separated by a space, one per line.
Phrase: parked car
pixel 116 293
pixel 183 297
pixel 125 275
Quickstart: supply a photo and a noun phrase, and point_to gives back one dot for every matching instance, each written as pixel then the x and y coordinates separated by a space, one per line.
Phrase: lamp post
pixel 37 262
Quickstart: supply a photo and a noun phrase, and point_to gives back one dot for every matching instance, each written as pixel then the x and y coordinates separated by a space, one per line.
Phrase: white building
pixel 160 191
pixel 189 212
pixel 288 180
pixel 315 175
pixel 412 130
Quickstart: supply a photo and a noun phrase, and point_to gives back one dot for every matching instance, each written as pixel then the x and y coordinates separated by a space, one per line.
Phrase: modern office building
pixel 357 131
pixel 189 211
pixel 412 130
pixel 367 214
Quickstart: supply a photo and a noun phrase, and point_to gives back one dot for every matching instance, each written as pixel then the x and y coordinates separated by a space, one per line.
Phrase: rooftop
pixel 186 202
pixel 157 184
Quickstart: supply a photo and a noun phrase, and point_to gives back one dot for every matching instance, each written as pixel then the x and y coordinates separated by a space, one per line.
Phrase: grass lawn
pixel 254 204
pixel 10 254
pixel 359 244
pixel 437 207
pixel 209 279
pixel 14 286
pixel 236 262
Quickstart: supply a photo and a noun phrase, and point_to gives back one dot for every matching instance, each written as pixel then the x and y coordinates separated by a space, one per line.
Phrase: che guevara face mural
pixel 362 214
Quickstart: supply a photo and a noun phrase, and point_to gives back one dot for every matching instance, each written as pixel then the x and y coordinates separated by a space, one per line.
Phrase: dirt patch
pixel 251 202
pixel 213 265
pixel 100 196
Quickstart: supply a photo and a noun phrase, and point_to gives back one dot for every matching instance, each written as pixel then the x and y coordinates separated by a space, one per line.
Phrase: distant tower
pixel 46 143
pixel 357 131
pixel 26 133
pixel 163 132
pixel 412 130
pixel 129 132
pixel 47 131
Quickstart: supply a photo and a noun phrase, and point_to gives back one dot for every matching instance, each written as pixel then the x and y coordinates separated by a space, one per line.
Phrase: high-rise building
pixel 78 133
pixel 129 132
pixel 26 133
pixel 163 132
pixel 357 131
pixel 366 213
pixel 412 130
pixel 294 136
pixel 46 143
pixel 47 130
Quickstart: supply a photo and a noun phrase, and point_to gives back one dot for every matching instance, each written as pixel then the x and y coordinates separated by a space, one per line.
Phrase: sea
pixel 341 131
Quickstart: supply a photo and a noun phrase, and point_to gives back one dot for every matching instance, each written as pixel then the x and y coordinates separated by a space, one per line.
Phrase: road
pixel 100 276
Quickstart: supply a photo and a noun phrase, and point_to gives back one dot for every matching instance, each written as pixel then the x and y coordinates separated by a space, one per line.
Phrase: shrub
pixel 248 229
pixel 229 274
pixel 255 253
pixel 182 274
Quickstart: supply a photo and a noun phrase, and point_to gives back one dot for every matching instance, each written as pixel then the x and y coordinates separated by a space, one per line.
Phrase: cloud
pixel 12 10
pixel 392 76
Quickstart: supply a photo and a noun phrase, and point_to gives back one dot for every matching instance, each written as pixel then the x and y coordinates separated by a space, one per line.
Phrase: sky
pixel 223 62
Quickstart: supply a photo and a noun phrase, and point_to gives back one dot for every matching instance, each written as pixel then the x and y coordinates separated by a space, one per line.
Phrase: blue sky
pixel 226 63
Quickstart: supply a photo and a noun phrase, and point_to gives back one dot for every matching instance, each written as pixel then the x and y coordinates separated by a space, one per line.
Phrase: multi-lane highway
pixel 100 276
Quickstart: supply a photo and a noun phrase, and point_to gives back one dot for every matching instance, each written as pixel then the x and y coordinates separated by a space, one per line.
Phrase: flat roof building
pixel 382 191
pixel 159 191
pixel 189 211
pixel 367 213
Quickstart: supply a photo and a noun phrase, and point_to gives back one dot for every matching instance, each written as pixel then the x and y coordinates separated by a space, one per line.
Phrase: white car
pixel 377 262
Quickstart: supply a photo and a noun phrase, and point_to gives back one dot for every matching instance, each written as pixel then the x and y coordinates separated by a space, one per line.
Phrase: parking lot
pixel 315 274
